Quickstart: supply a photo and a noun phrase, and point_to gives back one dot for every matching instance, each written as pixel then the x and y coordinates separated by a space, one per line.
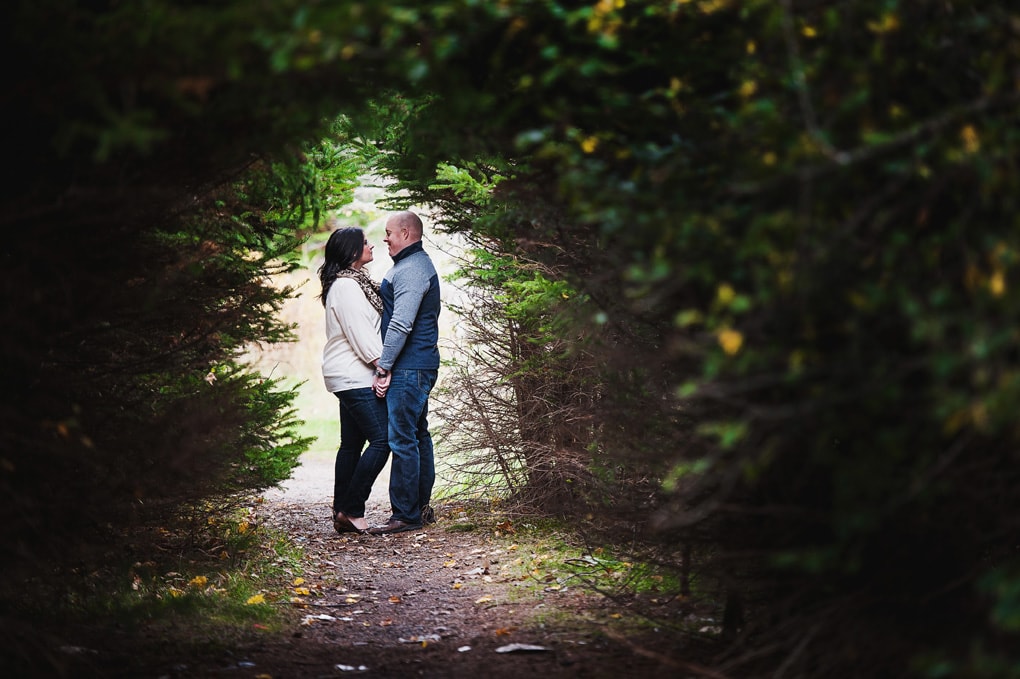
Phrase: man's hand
pixel 381 382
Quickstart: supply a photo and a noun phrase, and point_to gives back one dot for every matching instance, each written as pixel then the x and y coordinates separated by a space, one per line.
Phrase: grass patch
pixel 180 591
pixel 550 561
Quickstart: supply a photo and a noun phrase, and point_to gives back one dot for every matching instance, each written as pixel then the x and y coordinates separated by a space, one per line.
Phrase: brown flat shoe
pixel 343 525
pixel 393 526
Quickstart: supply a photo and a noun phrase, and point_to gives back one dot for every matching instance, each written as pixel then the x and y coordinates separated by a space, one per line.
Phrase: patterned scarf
pixel 368 286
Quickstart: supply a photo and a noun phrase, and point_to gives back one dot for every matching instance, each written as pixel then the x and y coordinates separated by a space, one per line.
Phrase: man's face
pixel 396 238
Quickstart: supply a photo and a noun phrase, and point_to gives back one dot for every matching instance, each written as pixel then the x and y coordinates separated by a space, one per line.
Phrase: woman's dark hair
pixel 343 248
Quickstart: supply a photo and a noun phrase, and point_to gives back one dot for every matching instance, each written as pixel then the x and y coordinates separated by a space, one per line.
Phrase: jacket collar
pixel 409 250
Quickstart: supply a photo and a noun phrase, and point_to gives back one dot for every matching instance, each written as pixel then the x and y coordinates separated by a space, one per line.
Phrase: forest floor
pixel 446 602
pixel 469 596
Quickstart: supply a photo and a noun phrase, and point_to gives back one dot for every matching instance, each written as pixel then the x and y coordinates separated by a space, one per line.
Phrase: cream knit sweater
pixel 353 341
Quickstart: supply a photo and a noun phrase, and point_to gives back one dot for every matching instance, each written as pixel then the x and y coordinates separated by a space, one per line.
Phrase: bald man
pixel 407 371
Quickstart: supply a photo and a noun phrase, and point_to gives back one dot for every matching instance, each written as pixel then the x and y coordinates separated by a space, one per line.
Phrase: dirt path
pixel 440 602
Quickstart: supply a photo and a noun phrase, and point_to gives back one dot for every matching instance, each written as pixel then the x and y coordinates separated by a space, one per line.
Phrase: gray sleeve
pixel 410 284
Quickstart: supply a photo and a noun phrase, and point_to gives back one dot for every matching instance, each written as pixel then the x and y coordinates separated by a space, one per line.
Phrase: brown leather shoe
pixel 393 526
pixel 342 524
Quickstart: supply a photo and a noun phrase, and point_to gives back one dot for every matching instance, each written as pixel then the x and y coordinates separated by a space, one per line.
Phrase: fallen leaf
pixel 457 585
pixel 484 599
pixel 298 581
pixel 511 648
pixel 256 599
pixel 422 639
pixel 395 599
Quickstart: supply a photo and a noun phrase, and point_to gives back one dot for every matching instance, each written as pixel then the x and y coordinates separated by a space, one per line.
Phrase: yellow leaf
pixel 457 585
pixel 256 599
pixel 198 581
pixel 971 141
pixel 303 591
pixel 997 284
pixel 394 599
pixel 748 88
pixel 725 293
pixel 484 599
pixel 730 340
pixel 298 581
pixel 242 527
pixel 808 32
pixel 589 144
pixel 888 24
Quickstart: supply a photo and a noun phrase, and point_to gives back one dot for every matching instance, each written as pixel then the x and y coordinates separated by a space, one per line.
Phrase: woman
pixel 353 346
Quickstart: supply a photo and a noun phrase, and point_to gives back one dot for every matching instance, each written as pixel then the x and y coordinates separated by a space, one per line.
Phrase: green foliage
pixel 156 200
pixel 786 231
pixel 801 220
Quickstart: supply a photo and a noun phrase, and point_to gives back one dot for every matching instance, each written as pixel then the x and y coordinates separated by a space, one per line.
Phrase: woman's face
pixel 366 255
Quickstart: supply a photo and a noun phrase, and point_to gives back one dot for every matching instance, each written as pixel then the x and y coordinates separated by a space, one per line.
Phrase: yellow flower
pixel 748 88
pixel 808 32
pixel 725 293
pixel 589 144
pixel 730 340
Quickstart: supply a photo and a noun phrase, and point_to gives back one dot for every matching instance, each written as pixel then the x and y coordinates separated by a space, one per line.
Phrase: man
pixel 407 371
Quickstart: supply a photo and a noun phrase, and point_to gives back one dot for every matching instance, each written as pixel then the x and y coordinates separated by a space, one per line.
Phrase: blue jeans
pixel 362 420
pixel 413 471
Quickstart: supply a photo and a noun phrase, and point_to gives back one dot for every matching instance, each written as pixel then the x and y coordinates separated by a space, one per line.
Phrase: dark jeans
pixel 362 420
pixel 413 471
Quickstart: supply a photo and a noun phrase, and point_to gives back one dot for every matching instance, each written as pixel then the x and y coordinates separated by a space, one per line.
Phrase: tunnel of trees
pixel 746 272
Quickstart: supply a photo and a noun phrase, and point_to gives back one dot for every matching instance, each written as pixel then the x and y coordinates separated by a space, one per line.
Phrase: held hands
pixel 381 382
